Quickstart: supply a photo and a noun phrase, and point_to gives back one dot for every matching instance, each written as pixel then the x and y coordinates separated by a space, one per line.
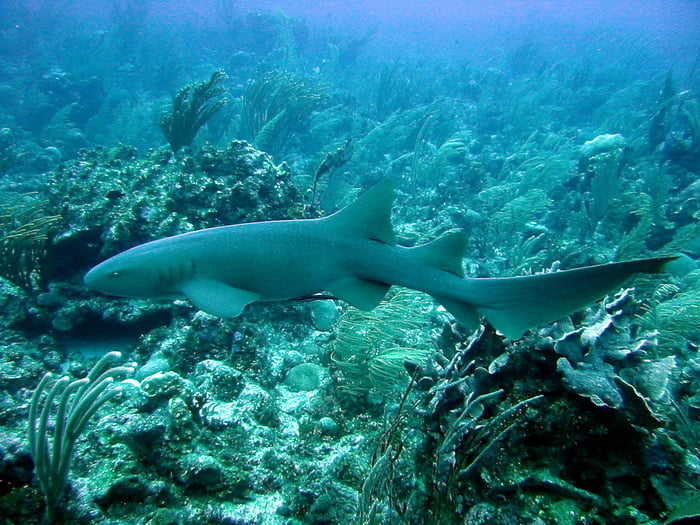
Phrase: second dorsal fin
pixel 444 253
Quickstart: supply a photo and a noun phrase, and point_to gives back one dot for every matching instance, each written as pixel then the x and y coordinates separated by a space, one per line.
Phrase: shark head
pixel 151 271
pixel 124 276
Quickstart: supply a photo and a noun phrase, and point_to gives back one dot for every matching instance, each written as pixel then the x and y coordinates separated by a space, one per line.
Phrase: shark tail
pixel 514 304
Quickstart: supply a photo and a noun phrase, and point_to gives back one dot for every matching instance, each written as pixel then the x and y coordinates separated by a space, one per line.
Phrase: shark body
pixel 352 254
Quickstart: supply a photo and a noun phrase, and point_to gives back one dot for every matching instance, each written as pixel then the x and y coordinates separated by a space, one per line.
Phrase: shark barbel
pixel 353 255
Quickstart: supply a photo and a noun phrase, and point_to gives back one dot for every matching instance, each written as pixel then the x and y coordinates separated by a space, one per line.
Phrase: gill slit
pixel 171 274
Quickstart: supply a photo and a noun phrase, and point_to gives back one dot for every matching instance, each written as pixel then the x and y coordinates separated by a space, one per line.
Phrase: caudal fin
pixel 514 304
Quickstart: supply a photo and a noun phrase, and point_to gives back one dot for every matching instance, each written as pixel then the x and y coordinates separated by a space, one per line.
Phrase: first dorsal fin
pixel 368 217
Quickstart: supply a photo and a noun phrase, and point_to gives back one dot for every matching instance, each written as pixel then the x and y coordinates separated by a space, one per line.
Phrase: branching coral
pixel 454 403
pixel 77 401
pixel 193 106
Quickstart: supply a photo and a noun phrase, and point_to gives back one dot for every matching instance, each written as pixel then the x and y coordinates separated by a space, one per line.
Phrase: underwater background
pixel 555 134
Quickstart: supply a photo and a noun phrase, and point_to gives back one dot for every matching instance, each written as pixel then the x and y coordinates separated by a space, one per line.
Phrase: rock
pixel 159 196
pixel 324 314
pixel 328 427
pixel 127 488
pixel 200 472
pixel 16 464
pixel 155 364
pixel 220 381
pixel 144 434
pixel 602 144
pixel 54 154
pixel 165 384
pixel 305 377
pixel 62 323
pixel 252 404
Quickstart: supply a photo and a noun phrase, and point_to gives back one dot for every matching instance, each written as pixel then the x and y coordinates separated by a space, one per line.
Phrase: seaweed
pixel 677 318
pixel 513 228
pixel 604 172
pixel 275 106
pixel 372 347
pixel 192 106
pixel 24 239
pixel 418 150
pixel 331 162
pixel 632 244
pixel 393 91
pixel 427 475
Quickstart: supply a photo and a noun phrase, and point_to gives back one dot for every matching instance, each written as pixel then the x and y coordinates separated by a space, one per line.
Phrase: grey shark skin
pixel 352 254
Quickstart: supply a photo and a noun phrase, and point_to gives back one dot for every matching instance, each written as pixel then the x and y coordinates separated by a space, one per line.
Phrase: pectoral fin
pixel 217 298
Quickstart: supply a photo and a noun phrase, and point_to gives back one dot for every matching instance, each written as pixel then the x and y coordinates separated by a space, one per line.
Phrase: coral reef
pixel 296 412
pixel 113 200
pixel 311 412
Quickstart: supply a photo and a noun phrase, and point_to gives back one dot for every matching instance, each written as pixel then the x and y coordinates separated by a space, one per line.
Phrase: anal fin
pixel 463 312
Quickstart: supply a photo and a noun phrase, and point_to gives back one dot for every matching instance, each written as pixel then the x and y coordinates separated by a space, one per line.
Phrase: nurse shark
pixel 352 254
